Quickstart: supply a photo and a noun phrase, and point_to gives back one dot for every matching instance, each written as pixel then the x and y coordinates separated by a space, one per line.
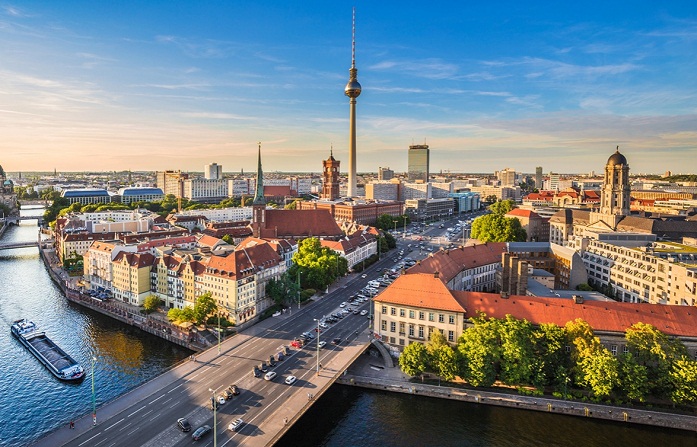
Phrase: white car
pixel 270 375
pixel 221 400
pixel 364 312
pixel 322 344
pixel 343 304
pixel 364 276
pixel 291 380
pixel 323 325
pixel 235 425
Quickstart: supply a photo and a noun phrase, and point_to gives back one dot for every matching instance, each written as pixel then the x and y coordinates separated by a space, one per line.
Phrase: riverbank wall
pixel 563 407
pixel 126 314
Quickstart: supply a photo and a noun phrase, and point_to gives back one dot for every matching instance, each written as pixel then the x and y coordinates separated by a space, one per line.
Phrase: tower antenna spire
pixel 353 39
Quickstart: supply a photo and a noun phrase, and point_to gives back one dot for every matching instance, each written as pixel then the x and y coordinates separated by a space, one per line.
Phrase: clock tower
pixel 330 177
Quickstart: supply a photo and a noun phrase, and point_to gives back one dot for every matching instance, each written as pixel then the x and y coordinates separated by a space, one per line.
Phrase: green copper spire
pixel 259 194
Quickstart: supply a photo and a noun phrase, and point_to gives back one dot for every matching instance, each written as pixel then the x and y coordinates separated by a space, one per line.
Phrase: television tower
pixel 352 90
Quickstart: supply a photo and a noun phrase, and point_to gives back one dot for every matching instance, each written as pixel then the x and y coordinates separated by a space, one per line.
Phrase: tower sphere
pixel 615 159
pixel 353 88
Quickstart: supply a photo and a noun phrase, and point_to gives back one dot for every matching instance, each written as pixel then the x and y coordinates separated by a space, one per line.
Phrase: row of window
pixel 421 315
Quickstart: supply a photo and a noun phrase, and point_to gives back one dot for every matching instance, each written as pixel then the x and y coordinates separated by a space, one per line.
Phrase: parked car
pixel 183 424
pixel 236 424
pixel 322 344
pixel 228 394
pixel 233 390
pixel 256 372
pixel 270 375
pixel 201 432
pixel 221 400
pixel 291 380
pixel 263 367
pixel 364 312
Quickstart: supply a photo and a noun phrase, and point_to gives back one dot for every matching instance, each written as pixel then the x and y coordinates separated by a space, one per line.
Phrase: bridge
pixel 14 220
pixel 18 245
pixel 147 415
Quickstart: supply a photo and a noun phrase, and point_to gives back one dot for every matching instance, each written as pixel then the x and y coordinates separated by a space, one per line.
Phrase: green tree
pixel 228 239
pixel 633 378
pixel 391 241
pixel 502 207
pixel 550 362
pixel 479 351
pixel 205 305
pixel 283 291
pixel 497 228
pixel 683 377
pixel 599 371
pixel 414 359
pixel 292 205
pixel 656 351
pixel 318 266
pixel 441 356
pixel 516 350
pixel 151 303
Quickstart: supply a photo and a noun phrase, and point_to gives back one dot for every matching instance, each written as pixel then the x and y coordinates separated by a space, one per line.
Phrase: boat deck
pixel 52 353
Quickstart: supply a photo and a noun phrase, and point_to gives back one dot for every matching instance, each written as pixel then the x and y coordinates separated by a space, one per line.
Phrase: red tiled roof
pixel 517 212
pixel 601 316
pixel 300 223
pixel 138 260
pixel 451 262
pixel 420 290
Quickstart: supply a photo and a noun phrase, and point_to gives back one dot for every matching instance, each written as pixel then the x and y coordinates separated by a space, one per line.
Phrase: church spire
pixel 259 194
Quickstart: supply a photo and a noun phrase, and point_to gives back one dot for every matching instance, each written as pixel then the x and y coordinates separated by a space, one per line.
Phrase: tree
pixel 228 239
pixel 283 290
pixel 497 228
pixel 516 350
pixel 391 241
pixel 151 303
pixel 599 371
pixel 205 305
pixel 550 363
pixel 502 207
pixel 292 205
pixel 318 266
pixel 584 287
pixel 479 350
pixel 683 377
pixel 441 356
pixel 414 359
pixel 490 199
pixel 633 378
pixel 656 351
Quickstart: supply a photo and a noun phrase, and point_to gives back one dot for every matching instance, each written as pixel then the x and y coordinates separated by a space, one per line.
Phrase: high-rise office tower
pixel 352 90
pixel 507 177
pixel 213 171
pixel 385 173
pixel 418 163
pixel 538 177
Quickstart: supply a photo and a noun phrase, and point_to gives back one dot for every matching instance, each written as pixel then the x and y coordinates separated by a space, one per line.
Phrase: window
pixel 384 325
pixel 393 311
pixel 393 326
pixel 411 330
pixel 401 313
pixel 421 315
pixel 441 318
pixel 384 309
pixel 431 316
pixel 625 349
pixel 613 349
pixel 421 332
pixel 451 336
pixel 451 319
pixel 411 314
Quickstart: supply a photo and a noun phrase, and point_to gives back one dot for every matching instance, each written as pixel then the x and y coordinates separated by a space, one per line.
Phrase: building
pixel 465 202
pixel 213 171
pixel 418 163
pixel 563 263
pixel 498 192
pixel 86 196
pixel 440 190
pixel 415 191
pixel 364 212
pixel 356 248
pixel 171 182
pixel 130 195
pixel 412 307
pixel 427 209
pixel 536 227
pixel 383 190
pixel 131 277
pixel 507 177
pixel 330 178
pixel 204 190
pixel 385 174
pixel 554 180
pixel 538 177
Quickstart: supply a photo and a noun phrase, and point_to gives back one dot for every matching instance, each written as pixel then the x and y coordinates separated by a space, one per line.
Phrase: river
pixel 33 402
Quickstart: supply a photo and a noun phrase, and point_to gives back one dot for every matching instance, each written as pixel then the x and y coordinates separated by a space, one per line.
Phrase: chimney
pixel 578 299
pixel 436 274
pixel 504 295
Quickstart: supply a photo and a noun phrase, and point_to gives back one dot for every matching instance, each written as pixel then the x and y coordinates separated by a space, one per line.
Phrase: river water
pixel 33 402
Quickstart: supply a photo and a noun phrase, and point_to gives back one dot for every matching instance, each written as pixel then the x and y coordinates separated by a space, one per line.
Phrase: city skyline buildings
pixel 103 88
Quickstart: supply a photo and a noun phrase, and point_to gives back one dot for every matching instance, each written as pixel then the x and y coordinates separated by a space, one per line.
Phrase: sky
pixel 155 85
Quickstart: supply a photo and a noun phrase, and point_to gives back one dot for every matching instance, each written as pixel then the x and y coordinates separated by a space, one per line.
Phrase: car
pixel 364 312
pixel 221 400
pixel 322 344
pixel 256 372
pixel 201 432
pixel 263 367
pixel 343 304
pixel 290 380
pixel 336 341
pixel 270 375
pixel 323 325
pixel 236 424
pixel 228 394
pixel 183 424
pixel 234 390
pixel 355 311
pixel 309 335
pixel 364 276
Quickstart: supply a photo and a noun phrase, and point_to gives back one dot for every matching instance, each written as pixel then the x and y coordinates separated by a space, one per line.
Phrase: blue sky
pixel 178 84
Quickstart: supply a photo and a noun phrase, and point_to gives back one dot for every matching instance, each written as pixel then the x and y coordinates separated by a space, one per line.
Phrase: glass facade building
pixel 418 163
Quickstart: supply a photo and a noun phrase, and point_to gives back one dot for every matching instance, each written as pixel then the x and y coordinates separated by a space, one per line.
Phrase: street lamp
pixel 298 289
pixel 215 425
pixel 317 320
pixel 94 400
pixel 218 312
